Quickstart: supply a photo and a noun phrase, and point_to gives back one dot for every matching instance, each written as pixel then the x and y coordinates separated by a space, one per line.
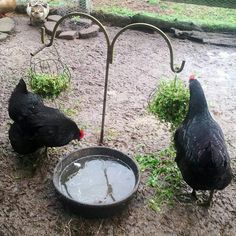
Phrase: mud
pixel 29 205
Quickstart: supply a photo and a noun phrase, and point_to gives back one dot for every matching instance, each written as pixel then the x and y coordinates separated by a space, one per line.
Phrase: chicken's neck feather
pixel 197 104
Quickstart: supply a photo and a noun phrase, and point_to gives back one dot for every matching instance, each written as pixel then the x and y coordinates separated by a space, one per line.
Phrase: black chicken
pixel 202 155
pixel 23 103
pixel 37 125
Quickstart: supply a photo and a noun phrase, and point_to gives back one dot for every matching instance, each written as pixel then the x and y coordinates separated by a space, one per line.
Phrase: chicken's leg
pixel 207 203
pixel 46 153
pixel 194 194
pixel 210 197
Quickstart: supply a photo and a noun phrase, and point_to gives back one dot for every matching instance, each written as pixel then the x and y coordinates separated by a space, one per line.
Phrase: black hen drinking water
pixel 37 125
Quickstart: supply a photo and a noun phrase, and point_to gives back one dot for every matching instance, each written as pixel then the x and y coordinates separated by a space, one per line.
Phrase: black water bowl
pixel 96 182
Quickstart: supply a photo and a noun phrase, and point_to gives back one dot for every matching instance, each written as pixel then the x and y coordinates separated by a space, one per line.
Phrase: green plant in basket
pixel 170 102
pixel 49 85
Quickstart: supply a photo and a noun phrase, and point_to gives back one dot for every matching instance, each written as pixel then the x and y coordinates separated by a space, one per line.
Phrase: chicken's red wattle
pixel 81 134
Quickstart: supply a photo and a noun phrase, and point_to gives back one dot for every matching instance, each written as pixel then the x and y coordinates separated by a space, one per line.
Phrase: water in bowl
pixel 97 180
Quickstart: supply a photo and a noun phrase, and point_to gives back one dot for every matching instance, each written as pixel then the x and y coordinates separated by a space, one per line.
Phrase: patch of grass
pixel 226 4
pixel 153 2
pixel 170 102
pixel 56 3
pixel 212 18
pixel 68 111
pixel 164 176
pixel 112 134
pixel 76 18
pixel 48 85
pixel 120 11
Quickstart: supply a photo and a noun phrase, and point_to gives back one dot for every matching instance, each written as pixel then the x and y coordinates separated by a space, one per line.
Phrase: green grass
pixel 211 15
pixel 56 3
pixel 164 176
pixel 112 134
pixel 153 2
pixel 213 3
pixel 76 18
pixel 120 11
pixel 203 16
pixel 69 111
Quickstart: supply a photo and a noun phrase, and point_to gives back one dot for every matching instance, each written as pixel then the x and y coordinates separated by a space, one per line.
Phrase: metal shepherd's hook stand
pixel 110 51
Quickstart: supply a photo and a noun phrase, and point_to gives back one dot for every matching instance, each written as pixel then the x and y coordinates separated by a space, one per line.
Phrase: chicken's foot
pixel 206 203
pixel 188 197
pixel 194 194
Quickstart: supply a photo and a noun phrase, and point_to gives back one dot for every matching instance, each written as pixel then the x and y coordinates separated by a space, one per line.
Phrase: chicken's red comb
pixel 81 134
pixel 192 77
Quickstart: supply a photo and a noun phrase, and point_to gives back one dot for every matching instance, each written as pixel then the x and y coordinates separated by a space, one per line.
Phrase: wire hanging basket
pixel 49 76
pixel 169 101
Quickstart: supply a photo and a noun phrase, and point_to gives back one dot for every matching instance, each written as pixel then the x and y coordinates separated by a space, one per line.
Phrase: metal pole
pixel 105 95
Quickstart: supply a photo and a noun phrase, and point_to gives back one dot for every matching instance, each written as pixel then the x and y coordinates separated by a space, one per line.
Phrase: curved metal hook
pixel 175 70
pixel 107 63
pixel 80 14
pixel 43 41
pixel 61 20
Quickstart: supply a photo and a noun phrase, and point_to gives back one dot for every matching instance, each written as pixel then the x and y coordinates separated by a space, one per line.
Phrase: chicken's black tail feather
pixel 21 87
pixel 212 158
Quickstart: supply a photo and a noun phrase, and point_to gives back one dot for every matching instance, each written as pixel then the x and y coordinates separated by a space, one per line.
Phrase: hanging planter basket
pixel 49 77
pixel 169 102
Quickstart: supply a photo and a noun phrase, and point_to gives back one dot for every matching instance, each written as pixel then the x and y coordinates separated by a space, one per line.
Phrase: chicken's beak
pixel 192 77
pixel 81 134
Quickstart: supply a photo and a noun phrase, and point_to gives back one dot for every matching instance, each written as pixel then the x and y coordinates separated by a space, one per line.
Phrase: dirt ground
pixel 29 205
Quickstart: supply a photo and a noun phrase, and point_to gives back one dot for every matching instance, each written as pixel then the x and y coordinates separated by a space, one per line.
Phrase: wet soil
pixel 29 205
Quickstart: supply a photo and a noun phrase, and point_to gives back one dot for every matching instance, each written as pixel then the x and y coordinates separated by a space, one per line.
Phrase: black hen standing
pixel 37 125
pixel 202 155
pixel 23 103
